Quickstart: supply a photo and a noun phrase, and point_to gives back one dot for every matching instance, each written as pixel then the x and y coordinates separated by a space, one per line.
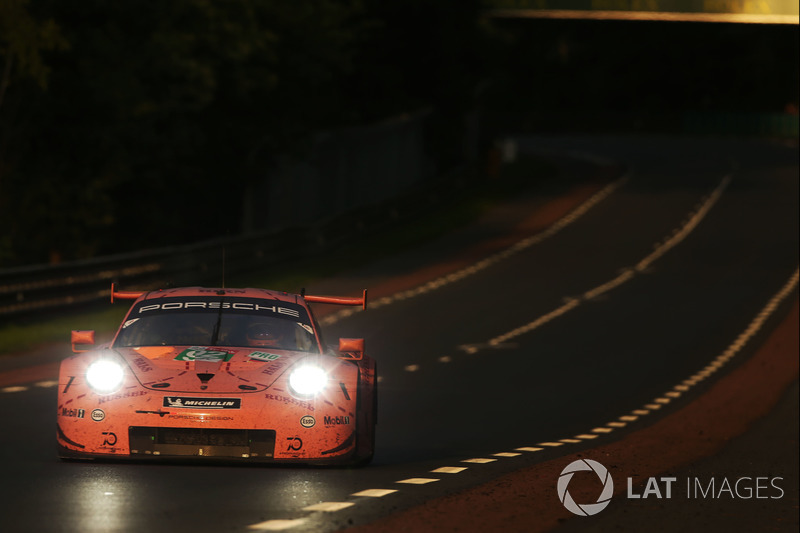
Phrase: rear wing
pixel 124 295
pixel 339 300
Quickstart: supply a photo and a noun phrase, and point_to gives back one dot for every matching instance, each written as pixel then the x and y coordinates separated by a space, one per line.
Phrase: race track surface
pixel 502 348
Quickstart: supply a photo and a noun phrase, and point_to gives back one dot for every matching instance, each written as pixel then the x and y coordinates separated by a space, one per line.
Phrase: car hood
pixel 208 369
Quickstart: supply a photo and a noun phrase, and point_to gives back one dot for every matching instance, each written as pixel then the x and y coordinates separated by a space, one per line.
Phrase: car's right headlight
pixel 105 376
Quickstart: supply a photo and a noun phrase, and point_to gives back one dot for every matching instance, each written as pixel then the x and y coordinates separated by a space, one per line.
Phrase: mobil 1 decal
pixel 198 353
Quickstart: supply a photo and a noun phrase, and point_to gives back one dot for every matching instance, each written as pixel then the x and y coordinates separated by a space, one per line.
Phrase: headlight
pixel 307 380
pixel 104 376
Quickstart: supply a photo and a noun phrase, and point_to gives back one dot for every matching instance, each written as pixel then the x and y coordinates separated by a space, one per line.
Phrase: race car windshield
pixel 236 322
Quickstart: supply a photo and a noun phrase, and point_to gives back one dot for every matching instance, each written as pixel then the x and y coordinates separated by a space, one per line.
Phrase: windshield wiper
pixel 215 332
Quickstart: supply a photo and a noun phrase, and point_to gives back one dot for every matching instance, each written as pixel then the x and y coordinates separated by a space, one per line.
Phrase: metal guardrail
pixel 42 288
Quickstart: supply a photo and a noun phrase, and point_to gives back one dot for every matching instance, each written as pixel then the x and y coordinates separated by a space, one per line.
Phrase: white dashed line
pixel 277 525
pixel 479 460
pixel 375 493
pixel 449 470
pixel 329 507
pixel 417 480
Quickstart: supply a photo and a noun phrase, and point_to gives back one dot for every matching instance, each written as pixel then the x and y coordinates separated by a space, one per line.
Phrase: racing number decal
pixel 295 444
pixel 109 439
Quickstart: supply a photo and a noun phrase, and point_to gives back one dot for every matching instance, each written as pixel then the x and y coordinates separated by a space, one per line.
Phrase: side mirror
pixel 351 349
pixel 82 337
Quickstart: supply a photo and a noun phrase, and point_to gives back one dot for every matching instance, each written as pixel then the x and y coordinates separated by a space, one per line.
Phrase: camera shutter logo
pixel 585 509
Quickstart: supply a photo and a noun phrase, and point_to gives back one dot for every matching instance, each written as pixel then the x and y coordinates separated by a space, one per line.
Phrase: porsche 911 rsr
pixel 218 373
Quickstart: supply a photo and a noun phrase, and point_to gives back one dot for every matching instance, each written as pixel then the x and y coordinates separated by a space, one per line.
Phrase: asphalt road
pixel 638 289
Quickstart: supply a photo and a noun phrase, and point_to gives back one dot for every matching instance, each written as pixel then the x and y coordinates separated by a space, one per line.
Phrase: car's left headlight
pixel 307 379
pixel 105 376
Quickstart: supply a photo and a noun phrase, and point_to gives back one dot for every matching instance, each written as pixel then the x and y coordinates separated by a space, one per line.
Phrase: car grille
pixel 202 442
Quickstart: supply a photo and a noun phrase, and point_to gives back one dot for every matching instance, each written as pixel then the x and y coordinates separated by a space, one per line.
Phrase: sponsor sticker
pixel 199 353
pixel 76 413
pixel 120 395
pixel 308 421
pixel 109 439
pixel 336 420
pixel 182 402
pixel 235 305
pixel 264 356
pixel 98 415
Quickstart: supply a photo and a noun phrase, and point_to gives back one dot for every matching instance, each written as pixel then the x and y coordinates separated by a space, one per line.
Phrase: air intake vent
pixel 202 442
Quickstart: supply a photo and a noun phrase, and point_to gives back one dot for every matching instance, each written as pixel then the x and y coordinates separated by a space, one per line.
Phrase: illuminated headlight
pixel 104 376
pixel 307 380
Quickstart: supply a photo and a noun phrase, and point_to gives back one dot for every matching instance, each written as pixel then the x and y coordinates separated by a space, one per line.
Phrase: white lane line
pixel 46 384
pixel 417 481
pixel 506 454
pixel 449 470
pixel 626 274
pixel 277 525
pixel 485 263
pixel 329 507
pixel 741 340
pixel 690 225
pixel 375 493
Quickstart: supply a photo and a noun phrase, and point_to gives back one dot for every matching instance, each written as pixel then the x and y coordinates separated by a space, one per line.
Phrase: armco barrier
pixel 26 290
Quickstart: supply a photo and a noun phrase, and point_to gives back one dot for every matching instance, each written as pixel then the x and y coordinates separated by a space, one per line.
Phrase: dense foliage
pixel 133 124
